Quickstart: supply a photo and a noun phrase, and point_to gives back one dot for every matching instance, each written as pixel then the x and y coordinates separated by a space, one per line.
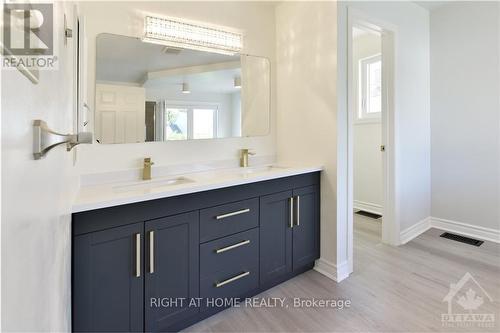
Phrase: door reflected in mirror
pixel 150 92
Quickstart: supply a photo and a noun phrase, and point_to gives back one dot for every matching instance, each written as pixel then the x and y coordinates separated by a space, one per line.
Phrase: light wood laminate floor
pixel 392 289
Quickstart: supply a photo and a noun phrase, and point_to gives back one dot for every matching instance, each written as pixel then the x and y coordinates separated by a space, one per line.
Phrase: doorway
pixel 367 133
pixel 369 102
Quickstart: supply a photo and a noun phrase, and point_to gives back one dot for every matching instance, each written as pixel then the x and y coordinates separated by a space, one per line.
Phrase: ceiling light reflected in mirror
pixel 185 88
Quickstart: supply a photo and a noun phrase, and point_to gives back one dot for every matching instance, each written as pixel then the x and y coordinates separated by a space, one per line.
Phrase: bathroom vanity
pixel 162 258
pixel 162 253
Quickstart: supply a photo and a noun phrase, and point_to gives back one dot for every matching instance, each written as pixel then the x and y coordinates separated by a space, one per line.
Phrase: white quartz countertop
pixel 121 193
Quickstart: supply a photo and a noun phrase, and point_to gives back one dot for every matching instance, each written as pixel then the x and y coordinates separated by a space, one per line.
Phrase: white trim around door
pixel 390 224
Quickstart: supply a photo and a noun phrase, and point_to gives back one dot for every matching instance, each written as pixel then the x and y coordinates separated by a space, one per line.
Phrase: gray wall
pixel 465 113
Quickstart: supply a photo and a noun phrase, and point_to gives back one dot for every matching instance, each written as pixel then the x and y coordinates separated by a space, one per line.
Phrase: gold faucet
pixel 244 157
pixel 146 171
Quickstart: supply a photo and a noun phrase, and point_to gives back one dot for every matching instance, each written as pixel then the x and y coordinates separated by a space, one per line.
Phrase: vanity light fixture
pixel 187 35
pixel 185 88
pixel 237 82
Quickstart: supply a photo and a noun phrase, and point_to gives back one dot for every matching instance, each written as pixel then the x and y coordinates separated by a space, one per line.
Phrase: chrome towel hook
pixel 44 139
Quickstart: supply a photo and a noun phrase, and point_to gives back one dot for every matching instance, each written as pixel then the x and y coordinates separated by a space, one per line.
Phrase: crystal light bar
pixel 180 34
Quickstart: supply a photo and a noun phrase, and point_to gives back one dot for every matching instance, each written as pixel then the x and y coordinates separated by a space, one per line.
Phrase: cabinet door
pixel 172 270
pixel 275 236
pixel 108 280
pixel 306 226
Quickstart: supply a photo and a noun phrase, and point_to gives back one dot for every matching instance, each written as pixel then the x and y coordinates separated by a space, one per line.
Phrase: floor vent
pixel 462 239
pixel 368 214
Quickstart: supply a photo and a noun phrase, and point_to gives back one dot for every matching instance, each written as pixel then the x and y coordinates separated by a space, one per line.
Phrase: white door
pixel 120 114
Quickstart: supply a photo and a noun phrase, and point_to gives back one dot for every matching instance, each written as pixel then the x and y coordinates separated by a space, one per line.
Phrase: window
pixel 176 123
pixel 183 122
pixel 370 87
pixel 204 123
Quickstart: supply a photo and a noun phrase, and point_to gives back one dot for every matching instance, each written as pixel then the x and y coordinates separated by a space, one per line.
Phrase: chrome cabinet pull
pixel 238 212
pixel 291 212
pixel 151 252
pixel 234 278
pixel 137 255
pixel 297 217
pixel 230 247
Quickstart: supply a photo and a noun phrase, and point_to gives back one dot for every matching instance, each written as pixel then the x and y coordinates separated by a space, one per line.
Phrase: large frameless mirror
pixel 150 92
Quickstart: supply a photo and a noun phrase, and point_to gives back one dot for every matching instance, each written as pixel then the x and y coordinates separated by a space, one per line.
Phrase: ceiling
pixel 128 59
pixel 360 32
pixel 431 5
pixel 220 81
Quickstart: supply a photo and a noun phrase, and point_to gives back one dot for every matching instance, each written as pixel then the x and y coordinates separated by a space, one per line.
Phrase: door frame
pixel 390 225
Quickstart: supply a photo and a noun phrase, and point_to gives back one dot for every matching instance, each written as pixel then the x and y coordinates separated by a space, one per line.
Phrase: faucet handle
pixel 246 151
pixel 147 160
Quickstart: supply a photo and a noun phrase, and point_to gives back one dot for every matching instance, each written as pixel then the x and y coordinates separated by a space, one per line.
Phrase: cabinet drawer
pixel 229 252
pixel 230 283
pixel 220 221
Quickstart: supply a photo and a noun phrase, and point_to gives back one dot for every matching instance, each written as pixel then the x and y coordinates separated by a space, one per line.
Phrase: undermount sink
pixel 159 183
pixel 151 184
pixel 259 169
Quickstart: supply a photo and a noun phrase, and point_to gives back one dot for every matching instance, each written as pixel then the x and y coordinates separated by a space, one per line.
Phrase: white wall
pixel 412 103
pixel 367 158
pixel 367 138
pixel 306 113
pixel 465 90
pixel 36 197
pixel 255 19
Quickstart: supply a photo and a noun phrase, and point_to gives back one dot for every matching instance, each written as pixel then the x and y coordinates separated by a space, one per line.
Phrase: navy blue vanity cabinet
pixel 275 236
pixel 139 266
pixel 305 226
pixel 228 219
pixel 172 270
pixel 108 280
pixel 289 232
pixel 229 267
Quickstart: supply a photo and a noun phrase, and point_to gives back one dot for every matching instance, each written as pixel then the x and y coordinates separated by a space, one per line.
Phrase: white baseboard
pixel 335 272
pixel 415 230
pixel 487 234
pixel 368 207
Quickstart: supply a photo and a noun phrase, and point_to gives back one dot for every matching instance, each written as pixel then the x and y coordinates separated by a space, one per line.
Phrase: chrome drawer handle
pixel 291 213
pixel 234 278
pixel 297 218
pixel 230 247
pixel 137 255
pixel 151 252
pixel 238 212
